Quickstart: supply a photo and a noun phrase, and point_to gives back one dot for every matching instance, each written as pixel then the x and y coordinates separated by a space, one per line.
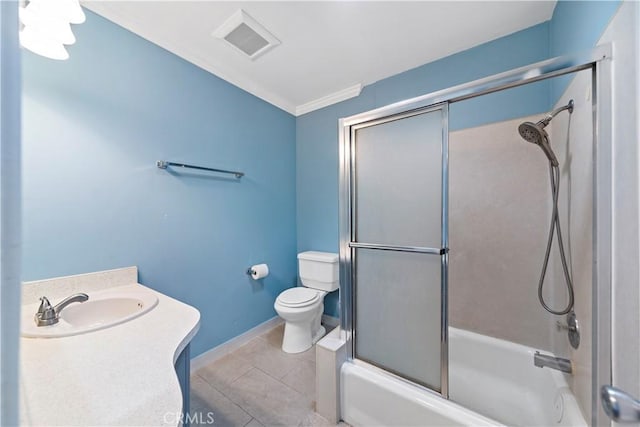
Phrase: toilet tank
pixel 319 270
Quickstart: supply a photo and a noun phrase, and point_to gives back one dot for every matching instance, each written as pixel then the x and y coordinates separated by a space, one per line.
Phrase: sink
pixel 103 310
pixel 100 312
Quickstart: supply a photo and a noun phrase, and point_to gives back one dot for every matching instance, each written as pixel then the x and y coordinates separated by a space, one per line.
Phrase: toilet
pixel 301 307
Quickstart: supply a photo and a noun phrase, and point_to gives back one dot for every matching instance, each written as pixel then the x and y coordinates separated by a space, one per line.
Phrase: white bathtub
pixel 491 382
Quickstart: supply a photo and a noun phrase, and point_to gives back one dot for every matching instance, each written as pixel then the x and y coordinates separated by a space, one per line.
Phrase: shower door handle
pixel 620 406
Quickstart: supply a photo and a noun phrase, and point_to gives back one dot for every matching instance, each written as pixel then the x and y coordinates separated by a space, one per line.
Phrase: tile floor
pixel 258 385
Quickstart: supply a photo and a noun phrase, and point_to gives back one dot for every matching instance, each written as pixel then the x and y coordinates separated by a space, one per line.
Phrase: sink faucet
pixel 48 315
pixel 558 363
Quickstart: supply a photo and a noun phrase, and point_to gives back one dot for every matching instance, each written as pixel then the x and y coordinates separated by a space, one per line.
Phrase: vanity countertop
pixel 122 375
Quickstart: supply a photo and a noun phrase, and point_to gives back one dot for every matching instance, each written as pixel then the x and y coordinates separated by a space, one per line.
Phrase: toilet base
pixel 297 337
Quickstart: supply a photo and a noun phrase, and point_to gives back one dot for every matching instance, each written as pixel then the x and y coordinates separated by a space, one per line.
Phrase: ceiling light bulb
pixel 54 29
pixel 39 43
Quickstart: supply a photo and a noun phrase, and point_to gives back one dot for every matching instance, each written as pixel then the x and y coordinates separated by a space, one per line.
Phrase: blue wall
pixel 94 127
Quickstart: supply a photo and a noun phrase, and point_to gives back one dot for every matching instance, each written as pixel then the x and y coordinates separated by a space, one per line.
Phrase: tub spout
pixel 557 363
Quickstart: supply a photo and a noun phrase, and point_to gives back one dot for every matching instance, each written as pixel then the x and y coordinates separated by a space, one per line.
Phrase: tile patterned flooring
pixel 258 385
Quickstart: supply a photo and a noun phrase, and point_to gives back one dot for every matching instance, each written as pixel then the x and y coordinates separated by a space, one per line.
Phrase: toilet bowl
pixel 301 307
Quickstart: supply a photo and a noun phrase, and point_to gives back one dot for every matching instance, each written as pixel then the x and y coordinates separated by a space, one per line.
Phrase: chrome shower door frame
pixel 599 61
pixel 349 243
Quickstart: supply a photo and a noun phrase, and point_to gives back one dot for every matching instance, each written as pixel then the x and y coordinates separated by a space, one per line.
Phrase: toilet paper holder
pixel 258 271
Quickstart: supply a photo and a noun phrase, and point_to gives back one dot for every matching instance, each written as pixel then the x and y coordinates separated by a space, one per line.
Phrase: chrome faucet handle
pixel 572 328
pixel 48 315
pixel 45 305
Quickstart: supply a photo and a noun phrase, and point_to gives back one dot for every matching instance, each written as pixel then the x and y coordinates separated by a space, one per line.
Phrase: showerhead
pixel 535 134
pixel 532 132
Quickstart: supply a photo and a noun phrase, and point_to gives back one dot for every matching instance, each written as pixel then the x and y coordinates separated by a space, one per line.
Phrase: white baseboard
pixel 330 321
pixel 233 344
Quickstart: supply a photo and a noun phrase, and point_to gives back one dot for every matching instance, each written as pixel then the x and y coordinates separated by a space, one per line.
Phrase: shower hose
pixel 554 174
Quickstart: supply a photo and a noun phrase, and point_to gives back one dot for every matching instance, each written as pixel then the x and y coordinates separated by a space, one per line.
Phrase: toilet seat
pixel 298 297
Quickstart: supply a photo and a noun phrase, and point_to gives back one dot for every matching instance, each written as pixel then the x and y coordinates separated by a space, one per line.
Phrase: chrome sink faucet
pixel 557 363
pixel 48 315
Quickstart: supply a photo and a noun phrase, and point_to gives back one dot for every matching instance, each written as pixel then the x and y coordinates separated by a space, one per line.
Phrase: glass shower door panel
pixel 398 176
pixel 398 313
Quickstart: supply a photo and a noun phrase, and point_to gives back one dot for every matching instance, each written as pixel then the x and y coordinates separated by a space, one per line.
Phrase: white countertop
pixel 122 375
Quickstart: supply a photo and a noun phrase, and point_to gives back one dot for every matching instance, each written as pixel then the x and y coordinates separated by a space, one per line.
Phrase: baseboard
pixel 330 321
pixel 234 343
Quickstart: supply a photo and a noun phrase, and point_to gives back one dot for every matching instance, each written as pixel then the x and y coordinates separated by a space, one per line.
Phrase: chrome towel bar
pixel 162 164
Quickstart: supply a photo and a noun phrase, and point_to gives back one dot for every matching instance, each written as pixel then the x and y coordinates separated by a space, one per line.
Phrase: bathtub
pixel 492 382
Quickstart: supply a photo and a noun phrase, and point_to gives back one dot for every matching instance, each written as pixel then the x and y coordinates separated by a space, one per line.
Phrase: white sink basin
pixel 103 310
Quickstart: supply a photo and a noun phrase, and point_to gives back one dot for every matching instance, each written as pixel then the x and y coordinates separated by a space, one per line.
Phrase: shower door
pixel 394 243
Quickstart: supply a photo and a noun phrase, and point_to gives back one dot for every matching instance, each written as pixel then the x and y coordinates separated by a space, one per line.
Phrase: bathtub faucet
pixel 558 363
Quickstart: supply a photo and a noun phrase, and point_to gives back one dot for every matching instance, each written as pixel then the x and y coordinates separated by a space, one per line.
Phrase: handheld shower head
pixel 535 134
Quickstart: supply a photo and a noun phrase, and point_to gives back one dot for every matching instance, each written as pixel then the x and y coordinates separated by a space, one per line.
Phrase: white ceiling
pixel 330 49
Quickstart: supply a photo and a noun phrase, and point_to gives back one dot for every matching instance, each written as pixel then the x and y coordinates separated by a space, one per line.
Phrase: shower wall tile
pixel 499 217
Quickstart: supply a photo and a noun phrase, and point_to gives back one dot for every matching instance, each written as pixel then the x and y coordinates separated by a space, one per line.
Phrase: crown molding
pixel 333 98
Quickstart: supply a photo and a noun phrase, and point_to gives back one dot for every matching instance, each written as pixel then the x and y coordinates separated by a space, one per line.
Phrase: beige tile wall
pixel 499 213
pixel 500 207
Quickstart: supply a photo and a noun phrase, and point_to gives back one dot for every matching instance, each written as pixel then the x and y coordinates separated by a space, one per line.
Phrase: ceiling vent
pixel 246 35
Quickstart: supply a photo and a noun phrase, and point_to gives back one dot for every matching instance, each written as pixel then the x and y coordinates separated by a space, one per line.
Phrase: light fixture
pixel 65 10
pixel 57 30
pixel 39 43
pixel 46 26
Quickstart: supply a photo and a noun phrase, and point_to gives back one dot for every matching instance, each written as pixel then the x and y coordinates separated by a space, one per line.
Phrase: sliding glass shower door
pixel 396 167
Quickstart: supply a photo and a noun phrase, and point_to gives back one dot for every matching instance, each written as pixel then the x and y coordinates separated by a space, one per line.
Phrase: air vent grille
pixel 246 35
pixel 245 39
